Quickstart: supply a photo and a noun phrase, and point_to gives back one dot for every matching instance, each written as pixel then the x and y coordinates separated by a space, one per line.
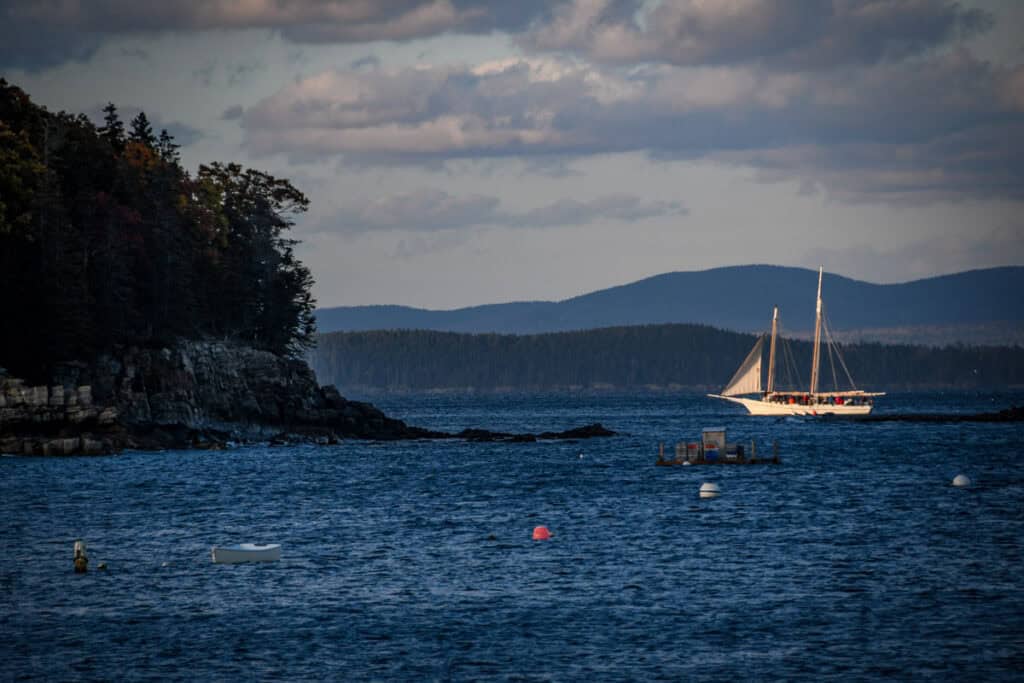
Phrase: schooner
pixel 745 384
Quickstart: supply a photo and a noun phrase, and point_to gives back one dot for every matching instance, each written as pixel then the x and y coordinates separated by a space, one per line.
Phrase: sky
pixel 463 152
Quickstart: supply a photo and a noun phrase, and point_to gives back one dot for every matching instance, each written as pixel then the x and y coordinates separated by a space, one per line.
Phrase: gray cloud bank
pixel 798 34
pixel 790 33
pixel 41 33
pixel 871 100
pixel 948 127
pixel 434 210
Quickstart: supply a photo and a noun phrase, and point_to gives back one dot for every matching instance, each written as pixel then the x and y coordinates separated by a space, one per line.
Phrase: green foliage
pixel 662 356
pixel 21 174
pixel 107 241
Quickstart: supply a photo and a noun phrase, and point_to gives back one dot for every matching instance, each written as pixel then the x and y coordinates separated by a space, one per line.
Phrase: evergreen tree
pixel 167 149
pixel 262 289
pixel 142 131
pixel 112 128
pixel 107 241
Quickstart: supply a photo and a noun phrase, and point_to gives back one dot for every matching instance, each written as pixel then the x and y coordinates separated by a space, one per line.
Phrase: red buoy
pixel 541 533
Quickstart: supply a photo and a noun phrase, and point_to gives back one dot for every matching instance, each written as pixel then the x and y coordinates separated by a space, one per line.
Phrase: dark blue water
pixel 413 561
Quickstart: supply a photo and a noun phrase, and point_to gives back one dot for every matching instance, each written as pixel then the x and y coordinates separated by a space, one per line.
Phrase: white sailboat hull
pixel 756 406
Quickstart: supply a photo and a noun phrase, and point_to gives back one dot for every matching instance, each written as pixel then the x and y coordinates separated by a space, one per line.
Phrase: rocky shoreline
pixel 1012 414
pixel 198 395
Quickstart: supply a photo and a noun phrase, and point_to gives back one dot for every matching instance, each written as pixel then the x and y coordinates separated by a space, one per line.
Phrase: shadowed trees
pixel 105 240
pixel 628 357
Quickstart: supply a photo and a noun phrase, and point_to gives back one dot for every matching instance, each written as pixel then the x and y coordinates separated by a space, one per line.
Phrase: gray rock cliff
pixel 196 394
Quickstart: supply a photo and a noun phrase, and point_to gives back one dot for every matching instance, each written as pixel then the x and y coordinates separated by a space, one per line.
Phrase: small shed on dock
pixel 713 437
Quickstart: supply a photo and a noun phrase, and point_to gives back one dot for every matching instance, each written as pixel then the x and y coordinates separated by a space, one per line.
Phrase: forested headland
pixel 649 356
pixel 106 241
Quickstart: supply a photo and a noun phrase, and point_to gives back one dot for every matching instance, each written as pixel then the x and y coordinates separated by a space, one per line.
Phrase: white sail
pixel 747 379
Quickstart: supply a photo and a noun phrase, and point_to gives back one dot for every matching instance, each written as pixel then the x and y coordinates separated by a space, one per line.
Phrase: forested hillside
pixel 106 241
pixel 663 356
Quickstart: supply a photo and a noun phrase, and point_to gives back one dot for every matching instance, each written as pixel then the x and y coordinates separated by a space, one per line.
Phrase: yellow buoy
pixel 81 560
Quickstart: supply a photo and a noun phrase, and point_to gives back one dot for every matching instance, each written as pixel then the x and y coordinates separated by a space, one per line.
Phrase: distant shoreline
pixel 609 390
pixel 657 358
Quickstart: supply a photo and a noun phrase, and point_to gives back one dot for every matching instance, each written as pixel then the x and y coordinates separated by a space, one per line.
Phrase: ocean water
pixel 853 559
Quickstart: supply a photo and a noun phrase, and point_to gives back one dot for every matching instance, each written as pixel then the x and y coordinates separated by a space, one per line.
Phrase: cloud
pixel 416 246
pixel 948 127
pixel 136 53
pixel 618 207
pixel 240 73
pixel 182 133
pixel 996 246
pixel 495 109
pixel 803 34
pixel 36 34
pixel 436 210
pixel 368 61
pixel 35 46
pixel 424 210
pixel 232 113
pixel 205 74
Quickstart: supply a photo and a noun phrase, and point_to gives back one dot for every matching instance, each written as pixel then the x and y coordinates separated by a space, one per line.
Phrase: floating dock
pixel 713 449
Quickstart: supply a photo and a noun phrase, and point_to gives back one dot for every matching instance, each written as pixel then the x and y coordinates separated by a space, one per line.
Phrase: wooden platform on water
pixel 714 450
pixel 677 462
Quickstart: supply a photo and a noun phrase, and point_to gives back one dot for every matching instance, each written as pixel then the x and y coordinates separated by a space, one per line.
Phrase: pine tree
pixel 142 131
pixel 167 149
pixel 112 128
pixel 100 250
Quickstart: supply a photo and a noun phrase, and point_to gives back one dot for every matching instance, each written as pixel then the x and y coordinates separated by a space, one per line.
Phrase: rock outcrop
pixel 1011 414
pixel 585 432
pixel 197 394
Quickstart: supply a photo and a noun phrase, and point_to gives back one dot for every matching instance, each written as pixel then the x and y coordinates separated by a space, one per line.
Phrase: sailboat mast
pixel 816 357
pixel 771 350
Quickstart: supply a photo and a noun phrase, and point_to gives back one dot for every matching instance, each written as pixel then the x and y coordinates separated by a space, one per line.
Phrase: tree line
pixel 663 356
pixel 106 241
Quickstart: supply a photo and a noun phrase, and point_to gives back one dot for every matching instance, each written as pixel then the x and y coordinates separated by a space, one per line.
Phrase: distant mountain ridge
pixel 977 306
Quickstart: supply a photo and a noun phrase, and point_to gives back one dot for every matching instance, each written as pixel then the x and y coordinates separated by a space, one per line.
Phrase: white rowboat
pixel 246 552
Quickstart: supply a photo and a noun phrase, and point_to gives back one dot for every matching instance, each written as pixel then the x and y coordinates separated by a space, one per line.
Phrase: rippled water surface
pixel 855 558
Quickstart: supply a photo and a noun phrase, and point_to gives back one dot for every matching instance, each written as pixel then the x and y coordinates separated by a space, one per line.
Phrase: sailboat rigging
pixel 747 379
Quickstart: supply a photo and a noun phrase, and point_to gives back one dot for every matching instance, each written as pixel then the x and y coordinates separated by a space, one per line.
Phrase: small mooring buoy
pixel 709 490
pixel 541 533
pixel 961 480
pixel 81 560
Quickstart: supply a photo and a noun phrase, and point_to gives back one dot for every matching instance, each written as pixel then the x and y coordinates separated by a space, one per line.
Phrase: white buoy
pixel 709 490
pixel 961 480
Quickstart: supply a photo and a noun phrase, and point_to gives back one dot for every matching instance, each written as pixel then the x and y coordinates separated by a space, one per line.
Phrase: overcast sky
pixel 460 152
